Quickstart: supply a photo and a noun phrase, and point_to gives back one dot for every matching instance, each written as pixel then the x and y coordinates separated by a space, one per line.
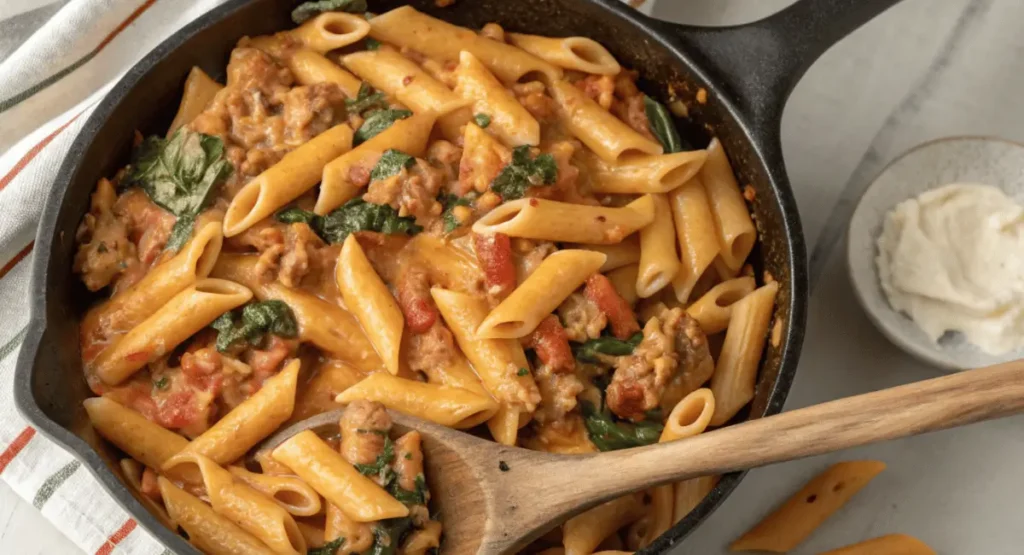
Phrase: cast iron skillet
pixel 747 73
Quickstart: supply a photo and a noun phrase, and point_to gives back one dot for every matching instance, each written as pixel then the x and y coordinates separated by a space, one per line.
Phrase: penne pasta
pixel 199 91
pixel 358 535
pixel 640 174
pixel 248 423
pixel 551 283
pixel 406 27
pixel 207 530
pixel 659 262
pixel 549 220
pixel 689 493
pixel 310 68
pixel 696 233
pixel 892 544
pixel 339 482
pixel 511 122
pixel 608 136
pixel 736 233
pixel 736 371
pixel 659 514
pixel 132 471
pixel 582 534
pixel 423 541
pixel 142 439
pixel 299 171
pixel 291 493
pixel 370 302
pixel 624 281
pixel 331 30
pixel 618 255
pixel 400 77
pixel 790 524
pixel 332 377
pixel 690 416
pixel 578 53
pixel 713 309
pixel 448 406
pixel 408 135
pixel 184 314
pixel 313 534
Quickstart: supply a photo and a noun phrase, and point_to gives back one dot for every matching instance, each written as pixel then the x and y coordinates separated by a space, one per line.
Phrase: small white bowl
pixel 952 160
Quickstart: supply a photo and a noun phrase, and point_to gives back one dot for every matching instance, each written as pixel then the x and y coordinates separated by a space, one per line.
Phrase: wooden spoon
pixel 497 499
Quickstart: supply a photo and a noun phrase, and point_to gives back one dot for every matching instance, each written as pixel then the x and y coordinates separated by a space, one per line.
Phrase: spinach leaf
pixel 382 465
pixel 483 120
pixel 664 128
pixel 608 435
pixel 179 174
pixel 376 122
pixel 359 215
pixel 391 163
pixel 372 44
pixel 416 497
pixel 450 201
pixel 255 320
pixel 523 172
pixel 388 536
pixel 308 10
pixel 329 548
pixel 606 345
pixel 366 99
pixel 295 215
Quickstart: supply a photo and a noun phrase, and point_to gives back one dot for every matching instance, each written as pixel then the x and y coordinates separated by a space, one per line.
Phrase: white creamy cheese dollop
pixel 953 259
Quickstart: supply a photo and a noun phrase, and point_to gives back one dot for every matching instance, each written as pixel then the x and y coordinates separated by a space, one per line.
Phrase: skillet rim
pixel 764 143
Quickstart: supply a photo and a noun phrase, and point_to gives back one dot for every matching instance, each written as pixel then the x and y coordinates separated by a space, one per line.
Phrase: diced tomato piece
pixel 620 315
pixel 494 252
pixel 551 343
pixel 415 301
pixel 149 485
pixel 177 410
pixel 266 363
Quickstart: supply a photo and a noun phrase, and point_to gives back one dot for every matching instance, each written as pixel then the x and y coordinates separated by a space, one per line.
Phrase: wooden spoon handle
pixel 917 408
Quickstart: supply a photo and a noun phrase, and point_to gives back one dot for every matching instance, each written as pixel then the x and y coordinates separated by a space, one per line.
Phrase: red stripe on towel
pixel 15 447
pixel 117 537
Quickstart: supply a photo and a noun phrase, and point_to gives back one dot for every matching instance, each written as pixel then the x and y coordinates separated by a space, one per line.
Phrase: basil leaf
pixel 366 99
pixel 329 548
pixel 377 122
pixel 391 163
pixel 523 172
pixel 608 435
pixel 483 120
pixel 255 321
pixel 382 464
pixel 664 128
pixel 309 10
pixel 606 345
pixel 181 232
pixel 179 174
pixel 359 215
pixel 450 201
pixel 388 536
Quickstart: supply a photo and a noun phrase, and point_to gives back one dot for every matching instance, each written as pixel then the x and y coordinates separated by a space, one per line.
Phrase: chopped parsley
pixel 483 120
pixel 450 201
pixel 382 465
pixel 408 456
pixel 372 44
pixel 523 172
pixel 366 99
pixel 608 435
pixel 662 126
pixel 388 536
pixel 392 162
pixel 162 383
pixel 376 122
pixel 309 10
pixel 255 320
pixel 329 548
pixel 606 345
pixel 416 497
pixel 523 372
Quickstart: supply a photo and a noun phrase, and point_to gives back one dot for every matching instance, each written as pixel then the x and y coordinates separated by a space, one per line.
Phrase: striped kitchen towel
pixel 49 86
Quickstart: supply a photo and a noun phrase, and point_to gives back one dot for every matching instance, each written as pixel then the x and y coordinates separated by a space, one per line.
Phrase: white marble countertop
pixel 926 69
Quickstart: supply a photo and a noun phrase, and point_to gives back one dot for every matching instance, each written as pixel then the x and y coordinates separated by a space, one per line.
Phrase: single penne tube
pixel 619 254
pixel 450 267
pixel 892 544
pixel 549 220
pixel 736 370
pixel 358 536
pixel 310 68
pixel 371 302
pixel 606 135
pixel 314 535
pixel 659 262
pixel 241 428
pixel 331 378
pixel 199 91
pixel 713 309
pixel 510 121
pixel 456 372
pixel 690 416
pixel 735 228
pixel 790 524
pixel 582 533
pixel 448 406
pixel 659 515
pixel 249 509
pixel 639 174
pixel 443 41
pixel 186 313
pixel 331 30
pixel 552 282
pixel 299 171
pixel 400 77
pixel 504 425
pixel 498 362
pixel 210 532
pixel 689 494
pixel 624 281
pixel 408 135
pixel 291 493
pixel 359 497
pixel 136 435
pixel 129 308
pixel 578 53
pixel 696 234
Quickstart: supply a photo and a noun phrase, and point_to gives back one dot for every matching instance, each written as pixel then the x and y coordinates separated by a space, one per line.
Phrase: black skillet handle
pixel 761 62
